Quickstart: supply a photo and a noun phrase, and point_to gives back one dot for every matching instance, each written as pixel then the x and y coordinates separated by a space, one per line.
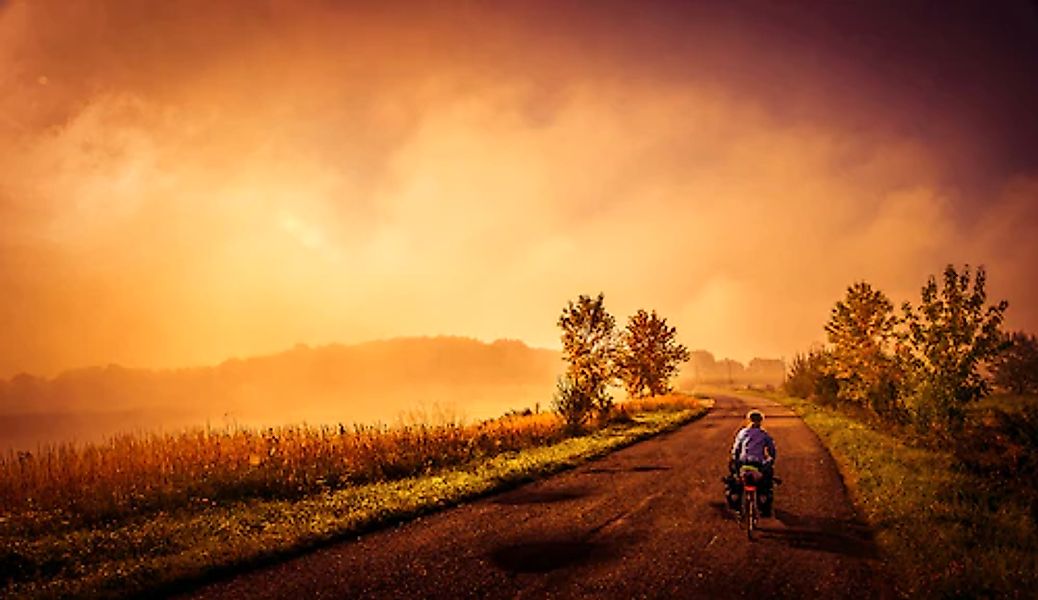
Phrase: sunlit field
pixel 131 474
pixel 135 473
pixel 669 402
pixel 149 512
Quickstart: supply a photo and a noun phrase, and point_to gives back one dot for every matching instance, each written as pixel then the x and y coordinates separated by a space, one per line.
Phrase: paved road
pixel 645 522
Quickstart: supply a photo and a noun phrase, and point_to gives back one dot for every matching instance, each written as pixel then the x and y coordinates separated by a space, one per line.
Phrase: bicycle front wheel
pixel 749 512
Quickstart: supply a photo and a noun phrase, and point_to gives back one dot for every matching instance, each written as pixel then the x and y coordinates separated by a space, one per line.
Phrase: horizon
pixel 305 346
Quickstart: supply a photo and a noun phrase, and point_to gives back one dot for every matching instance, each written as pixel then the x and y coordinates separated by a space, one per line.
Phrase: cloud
pixel 181 190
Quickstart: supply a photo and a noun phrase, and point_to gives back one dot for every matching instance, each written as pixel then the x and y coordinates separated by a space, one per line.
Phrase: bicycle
pixel 750 510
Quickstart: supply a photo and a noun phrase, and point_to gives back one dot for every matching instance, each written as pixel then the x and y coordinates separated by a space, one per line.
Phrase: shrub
pixel 1015 369
pixel 573 402
pixel 810 376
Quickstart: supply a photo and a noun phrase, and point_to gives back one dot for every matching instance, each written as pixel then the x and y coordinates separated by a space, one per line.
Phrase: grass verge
pixel 946 533
pixel 170 551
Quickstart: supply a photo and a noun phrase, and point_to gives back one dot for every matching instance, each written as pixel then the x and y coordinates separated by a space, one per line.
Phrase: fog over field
pixel 418 380
pixel 390 382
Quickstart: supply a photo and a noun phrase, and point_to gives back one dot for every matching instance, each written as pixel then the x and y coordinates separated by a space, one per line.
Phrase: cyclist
pixel 754 449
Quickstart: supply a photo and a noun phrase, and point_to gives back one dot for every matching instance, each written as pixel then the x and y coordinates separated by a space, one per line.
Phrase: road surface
pixel 648 521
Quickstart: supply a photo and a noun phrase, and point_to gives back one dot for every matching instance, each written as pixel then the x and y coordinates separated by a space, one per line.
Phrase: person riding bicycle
pixel 755 450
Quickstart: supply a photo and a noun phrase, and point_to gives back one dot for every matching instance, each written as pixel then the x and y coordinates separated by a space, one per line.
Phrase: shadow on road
pixel 723 510
pixel 837 536
pixel 634 469
pixel 544 556
pixel 522 496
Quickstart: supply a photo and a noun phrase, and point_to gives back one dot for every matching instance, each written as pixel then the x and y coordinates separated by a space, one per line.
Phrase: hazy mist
pixel 185 182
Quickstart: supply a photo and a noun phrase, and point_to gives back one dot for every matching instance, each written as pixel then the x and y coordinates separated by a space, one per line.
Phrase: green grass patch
pixel 167 551
pixel 945 531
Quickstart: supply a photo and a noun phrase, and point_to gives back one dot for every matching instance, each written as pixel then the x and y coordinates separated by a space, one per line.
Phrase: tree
pixel 949 336
pixel 810 377
pixel 1015 369
pixel 649 355
pixel 589 346
pixel 861 330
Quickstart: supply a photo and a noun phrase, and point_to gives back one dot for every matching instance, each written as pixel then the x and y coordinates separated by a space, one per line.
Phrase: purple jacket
pixel 750 445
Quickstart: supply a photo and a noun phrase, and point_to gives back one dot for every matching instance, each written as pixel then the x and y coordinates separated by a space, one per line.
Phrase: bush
pixel 999 440
pixel 1015 369
pixel 810 377
pixel 573 402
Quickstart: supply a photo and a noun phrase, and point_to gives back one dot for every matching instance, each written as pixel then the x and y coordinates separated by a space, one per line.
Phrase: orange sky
pixel 182 182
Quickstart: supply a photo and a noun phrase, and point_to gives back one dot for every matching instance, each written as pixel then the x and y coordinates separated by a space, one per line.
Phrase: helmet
pixel 755 416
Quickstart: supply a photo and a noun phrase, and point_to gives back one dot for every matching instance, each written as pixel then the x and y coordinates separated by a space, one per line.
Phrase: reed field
pixel 140 511
pixel 132 474
pixel 669 402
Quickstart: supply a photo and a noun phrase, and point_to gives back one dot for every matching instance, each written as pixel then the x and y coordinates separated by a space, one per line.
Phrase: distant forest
pixel 702 367
pixel 383 381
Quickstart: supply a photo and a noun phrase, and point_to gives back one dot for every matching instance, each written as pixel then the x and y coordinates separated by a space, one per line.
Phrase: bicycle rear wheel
pixel 749 511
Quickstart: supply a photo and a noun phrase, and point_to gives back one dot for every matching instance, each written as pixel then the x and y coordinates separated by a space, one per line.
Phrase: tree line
pixel 643 356
pixel 924 366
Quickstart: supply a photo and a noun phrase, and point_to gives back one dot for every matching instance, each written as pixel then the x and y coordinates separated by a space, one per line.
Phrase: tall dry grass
pixel 672 401
pixel 135 474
